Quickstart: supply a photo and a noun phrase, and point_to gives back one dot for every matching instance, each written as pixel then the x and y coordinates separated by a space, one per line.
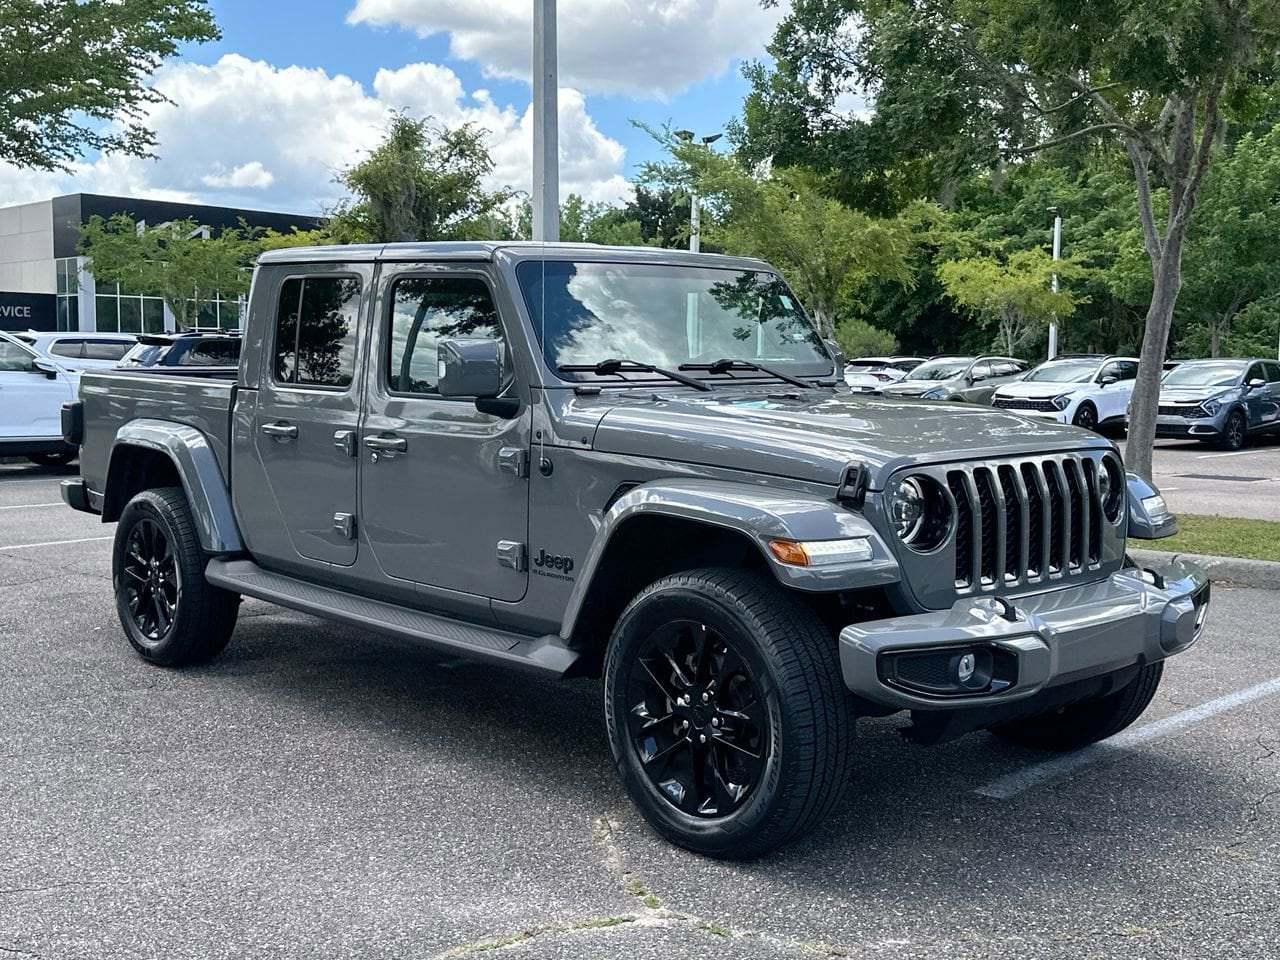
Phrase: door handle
pixel 281 431
pixel 387 444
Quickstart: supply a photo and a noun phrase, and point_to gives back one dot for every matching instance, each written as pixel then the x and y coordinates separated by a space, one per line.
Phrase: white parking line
pixel 1024 779
pixel 53 543
pixel 1211 456
pixel 32 506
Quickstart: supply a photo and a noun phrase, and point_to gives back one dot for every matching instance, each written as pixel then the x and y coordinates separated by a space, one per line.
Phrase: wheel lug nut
pixel 715 721
pixel 705 696
pixel 702 738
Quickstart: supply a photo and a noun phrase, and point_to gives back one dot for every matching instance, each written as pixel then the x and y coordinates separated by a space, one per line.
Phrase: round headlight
pixel 1111 489
pixel 920 512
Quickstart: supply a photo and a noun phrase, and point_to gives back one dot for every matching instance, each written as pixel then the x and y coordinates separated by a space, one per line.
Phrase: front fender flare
pixel 197 467
pixel 760 514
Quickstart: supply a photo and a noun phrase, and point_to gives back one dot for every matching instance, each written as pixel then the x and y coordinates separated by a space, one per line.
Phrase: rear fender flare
pixel 189 451
pixel 759 514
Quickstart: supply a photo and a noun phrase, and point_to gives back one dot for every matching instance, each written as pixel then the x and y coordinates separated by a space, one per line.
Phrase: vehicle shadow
pixel 20 468
pixel 912 824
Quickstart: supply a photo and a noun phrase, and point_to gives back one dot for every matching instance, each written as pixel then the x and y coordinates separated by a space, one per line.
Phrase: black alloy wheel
pixel 1086 417
pixel 1233 431
pixel 152 583
pixel 698 723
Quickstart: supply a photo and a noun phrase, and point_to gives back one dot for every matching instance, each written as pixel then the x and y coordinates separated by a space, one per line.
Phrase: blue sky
pixel 297 89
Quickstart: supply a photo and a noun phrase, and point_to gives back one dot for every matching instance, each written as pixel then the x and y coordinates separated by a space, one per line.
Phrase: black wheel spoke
pixel 150 570
pixel 696 722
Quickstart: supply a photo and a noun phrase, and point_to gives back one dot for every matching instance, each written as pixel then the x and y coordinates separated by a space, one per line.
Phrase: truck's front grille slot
pixel 964 529
pixel 1021 524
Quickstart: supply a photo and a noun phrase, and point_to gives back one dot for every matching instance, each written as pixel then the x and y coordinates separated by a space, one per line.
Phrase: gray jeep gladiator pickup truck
pixel 636 464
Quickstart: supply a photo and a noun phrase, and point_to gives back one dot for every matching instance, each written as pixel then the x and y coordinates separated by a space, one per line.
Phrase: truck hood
pixel 813 437
pixel 1193 394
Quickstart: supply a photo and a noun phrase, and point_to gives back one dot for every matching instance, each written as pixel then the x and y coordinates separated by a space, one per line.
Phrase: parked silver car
pixel 869 374
pixel 973 379
pixel 1220 401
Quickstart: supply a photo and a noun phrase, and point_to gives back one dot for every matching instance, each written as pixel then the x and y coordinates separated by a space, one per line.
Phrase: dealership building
pixel 45 284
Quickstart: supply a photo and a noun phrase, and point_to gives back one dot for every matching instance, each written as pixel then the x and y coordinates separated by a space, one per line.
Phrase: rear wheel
pixel 169 612
pixel 1080 724
pixel 727 713
pixel 1233 431
pixel 52 459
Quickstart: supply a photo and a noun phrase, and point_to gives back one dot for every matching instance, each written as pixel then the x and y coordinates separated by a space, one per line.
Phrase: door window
pixel 67 348
pixel 212 353
pixel 13 359
pixel 315 342
pixel 106 349
pixel 425 310
pixel 1120 369
pixel 1256 372
pixel 1273 372
pixel 980 371
pixel 1007 368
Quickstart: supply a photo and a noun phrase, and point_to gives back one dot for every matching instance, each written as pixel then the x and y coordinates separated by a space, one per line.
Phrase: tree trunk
pixel 1146 391
pixel 1214 338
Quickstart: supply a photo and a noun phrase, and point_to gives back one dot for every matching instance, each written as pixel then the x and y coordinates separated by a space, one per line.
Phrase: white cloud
pixel 245 132
pixel 640 48
pixel 252 175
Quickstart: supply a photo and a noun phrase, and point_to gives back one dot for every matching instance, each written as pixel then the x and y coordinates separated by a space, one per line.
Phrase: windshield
pixel 938 370
pixel 1204 375
pixel 144 355
pixel 1064 371
pixel 666 315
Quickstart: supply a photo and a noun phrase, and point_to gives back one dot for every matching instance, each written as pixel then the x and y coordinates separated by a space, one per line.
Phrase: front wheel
pixel 170 613
pixel 1080 724
pixel 727 713
pixel 1233 431
pixel 1086 417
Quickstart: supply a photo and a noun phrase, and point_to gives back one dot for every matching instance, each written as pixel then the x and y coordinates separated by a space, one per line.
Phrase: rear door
pixel 30 402
pixel 1271 406
pixel 304 426
pixel 443 487
pixel 1260 406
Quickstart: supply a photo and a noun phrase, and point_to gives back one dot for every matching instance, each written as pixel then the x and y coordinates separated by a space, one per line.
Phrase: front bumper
pixel 1028 644
pixel 1174 426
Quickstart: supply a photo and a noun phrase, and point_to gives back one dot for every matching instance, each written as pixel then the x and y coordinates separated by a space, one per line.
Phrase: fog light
pixel 964 669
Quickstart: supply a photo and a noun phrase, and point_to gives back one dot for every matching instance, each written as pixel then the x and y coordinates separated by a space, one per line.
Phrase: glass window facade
pixel 117 311
pixel 68 290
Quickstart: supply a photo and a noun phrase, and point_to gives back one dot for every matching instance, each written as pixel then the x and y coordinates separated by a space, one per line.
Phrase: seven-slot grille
pixel 1024 403
pixel 1020 523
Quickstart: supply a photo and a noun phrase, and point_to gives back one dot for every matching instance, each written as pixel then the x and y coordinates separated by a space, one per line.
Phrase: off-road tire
pixel 1234 431
pixel 204 616
pixel 1086 417
pixel 1088 721
pixel 51 459
pixel 808 760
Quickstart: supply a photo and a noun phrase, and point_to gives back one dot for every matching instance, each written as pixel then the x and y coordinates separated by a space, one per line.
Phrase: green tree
pixel 857 338
pixel 174 260
pixel 959 84
pixel 74 74
pixel 424 181
pixel 1013 296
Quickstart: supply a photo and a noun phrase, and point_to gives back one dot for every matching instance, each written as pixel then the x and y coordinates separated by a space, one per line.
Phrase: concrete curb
pixel 1262 574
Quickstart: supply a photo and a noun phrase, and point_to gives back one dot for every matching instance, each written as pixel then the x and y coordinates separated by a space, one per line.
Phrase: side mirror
pixel 1257 382
pixel 470 367
pixel 977 377
pixel 1109 379
pixel 1149 517
pixel 44 366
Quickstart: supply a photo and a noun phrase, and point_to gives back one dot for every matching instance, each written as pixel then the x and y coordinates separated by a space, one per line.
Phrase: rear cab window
pixel 315 331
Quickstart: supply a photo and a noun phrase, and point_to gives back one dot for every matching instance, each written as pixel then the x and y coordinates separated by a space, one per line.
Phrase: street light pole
pixel 695 213
pixel 546 158
pixel 1057 255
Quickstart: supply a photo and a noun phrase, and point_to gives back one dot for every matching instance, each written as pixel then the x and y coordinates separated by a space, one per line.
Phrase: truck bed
pixel 112 398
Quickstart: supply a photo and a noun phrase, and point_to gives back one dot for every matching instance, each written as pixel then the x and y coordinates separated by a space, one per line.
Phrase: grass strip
pixel 1220 537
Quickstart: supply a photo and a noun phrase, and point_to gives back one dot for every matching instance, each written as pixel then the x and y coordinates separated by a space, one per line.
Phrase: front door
pixel 304 426
pixel 30 402
pixel 1112 399
pixel 443 487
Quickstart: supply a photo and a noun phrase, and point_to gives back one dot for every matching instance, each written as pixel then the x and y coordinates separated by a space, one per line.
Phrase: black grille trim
pixel 1026 523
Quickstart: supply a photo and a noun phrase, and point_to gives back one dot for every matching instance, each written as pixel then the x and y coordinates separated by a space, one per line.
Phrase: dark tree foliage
pixel 74 74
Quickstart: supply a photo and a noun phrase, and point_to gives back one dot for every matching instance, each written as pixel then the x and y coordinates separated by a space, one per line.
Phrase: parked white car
pixel 867 374
pixel 32 391
pixel 1089 391
pixel 80 351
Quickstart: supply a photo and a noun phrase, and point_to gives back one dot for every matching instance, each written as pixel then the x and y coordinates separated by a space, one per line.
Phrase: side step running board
pixel 545 655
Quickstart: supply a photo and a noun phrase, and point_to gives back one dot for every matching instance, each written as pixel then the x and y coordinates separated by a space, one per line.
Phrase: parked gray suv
pixel 1220 401
pixel 636 465
pixel 974 379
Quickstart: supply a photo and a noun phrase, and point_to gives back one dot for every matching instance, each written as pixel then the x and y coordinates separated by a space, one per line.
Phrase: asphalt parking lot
pixel 1196 478
pixel 320 792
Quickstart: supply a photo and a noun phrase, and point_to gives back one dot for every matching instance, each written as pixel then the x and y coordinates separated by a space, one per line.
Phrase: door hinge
pixel 345 524
pixel 514 460
pixel 345 440
pixel 511 553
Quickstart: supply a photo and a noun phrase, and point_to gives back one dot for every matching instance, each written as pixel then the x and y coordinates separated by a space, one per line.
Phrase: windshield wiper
pixel 615 365
pixel 724 366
